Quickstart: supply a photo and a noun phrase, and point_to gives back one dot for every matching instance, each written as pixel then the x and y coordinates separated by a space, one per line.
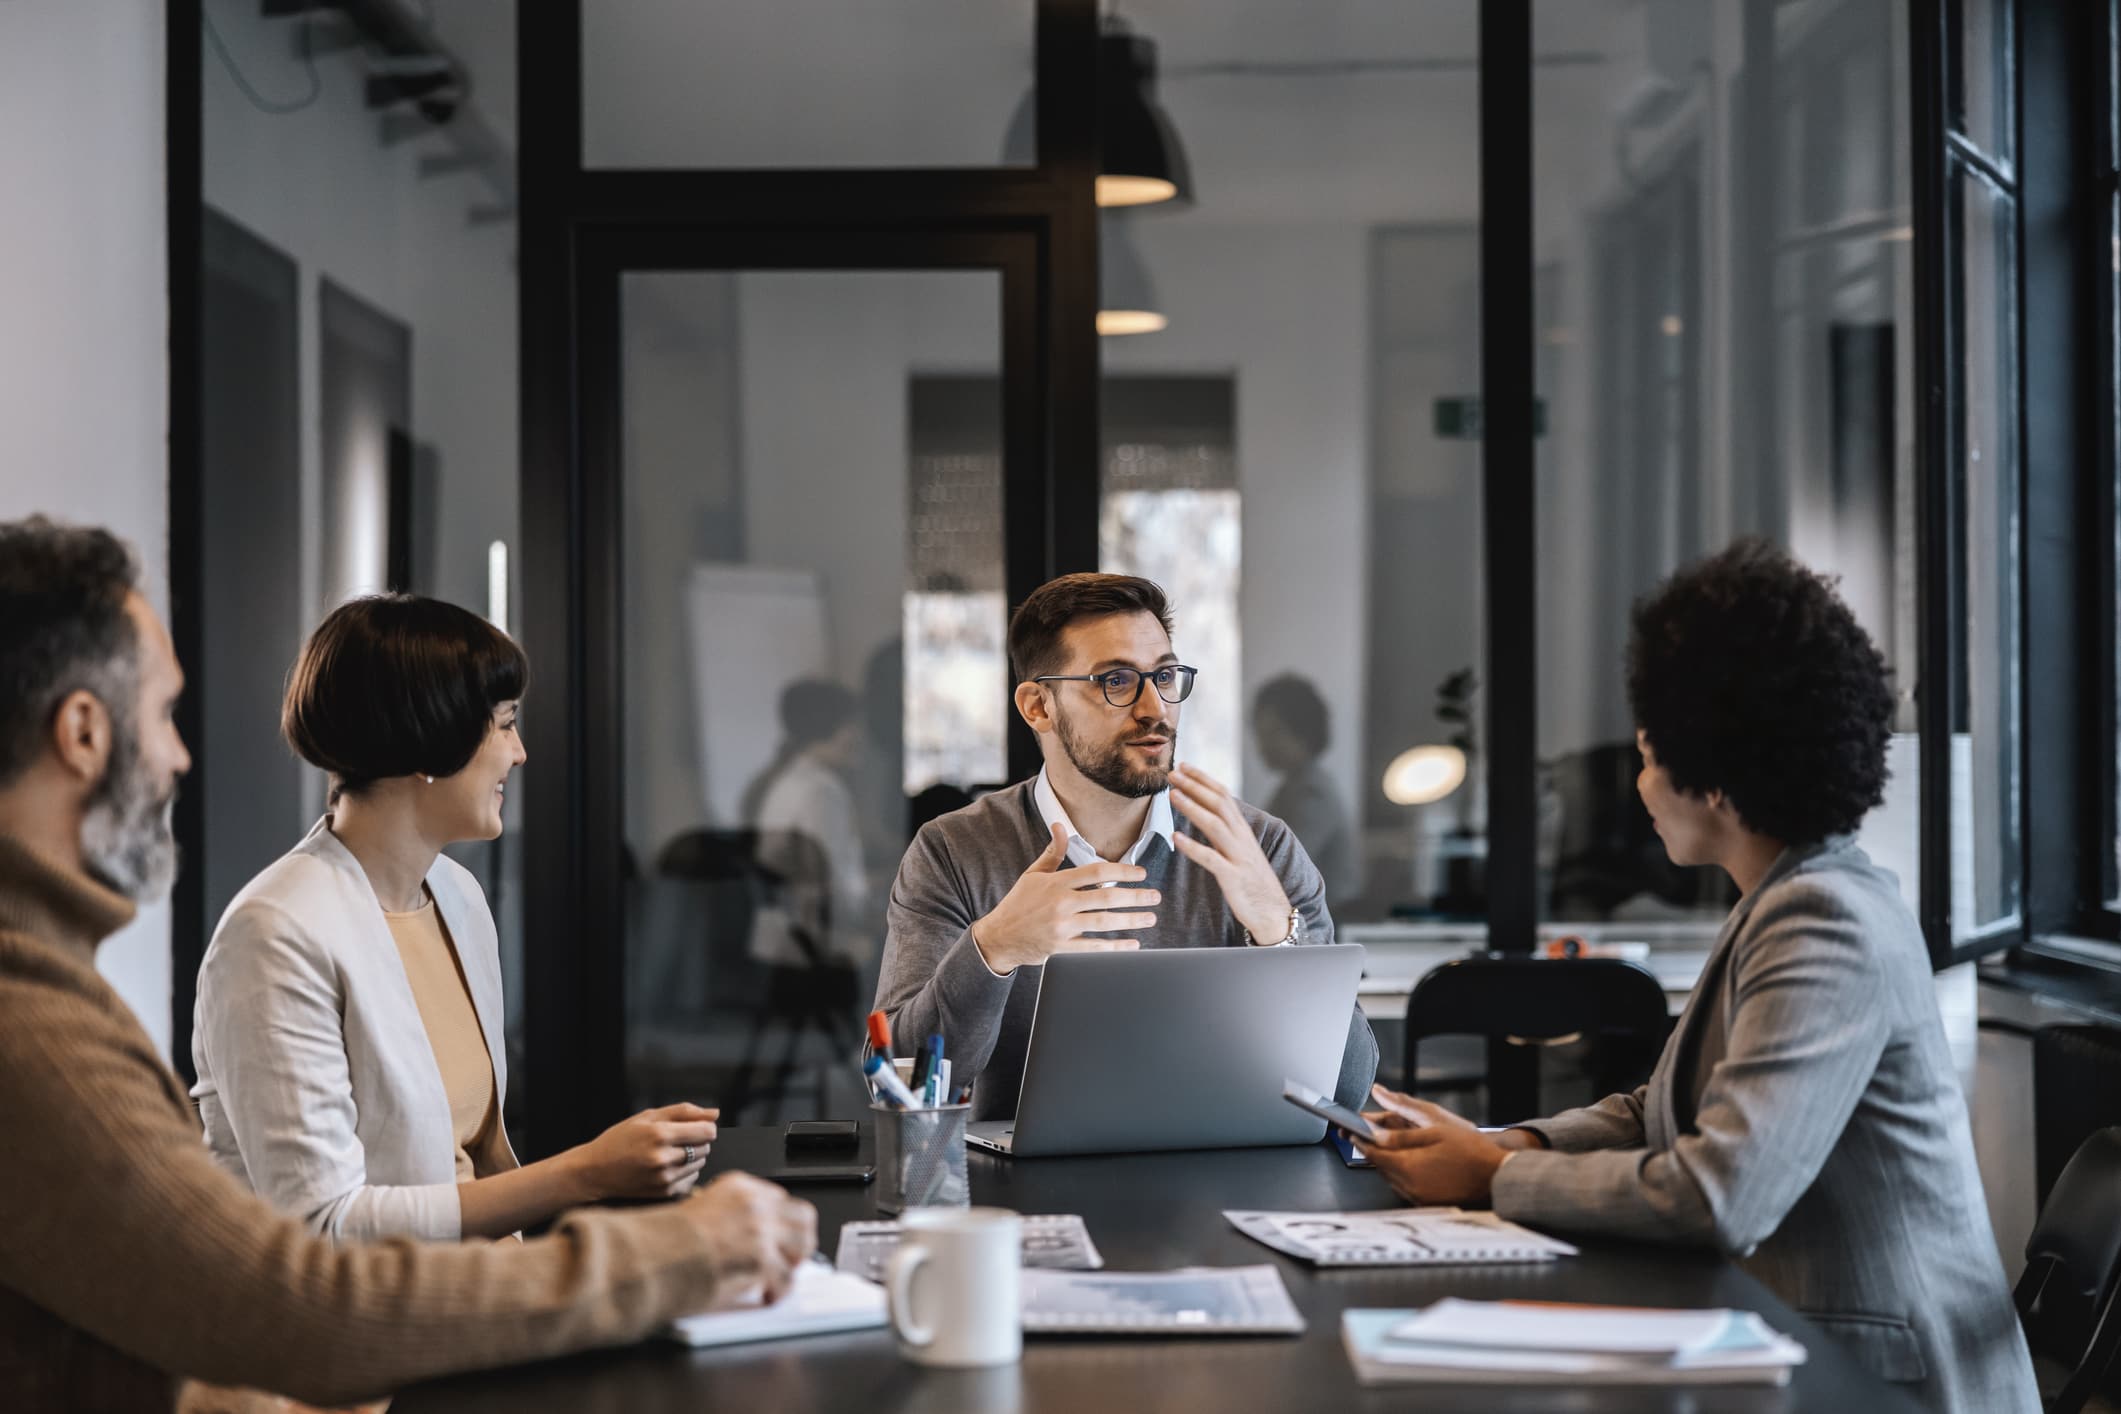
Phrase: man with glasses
pixel 1089 855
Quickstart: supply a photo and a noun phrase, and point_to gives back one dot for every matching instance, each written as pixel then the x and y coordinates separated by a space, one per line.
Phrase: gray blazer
pixel 1805 1118
pixel 317 1082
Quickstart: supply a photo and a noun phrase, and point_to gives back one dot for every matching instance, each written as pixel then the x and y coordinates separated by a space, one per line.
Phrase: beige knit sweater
pixel 128 1259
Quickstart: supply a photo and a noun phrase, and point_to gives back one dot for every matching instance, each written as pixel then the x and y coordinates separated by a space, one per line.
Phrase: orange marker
pixel 880 1035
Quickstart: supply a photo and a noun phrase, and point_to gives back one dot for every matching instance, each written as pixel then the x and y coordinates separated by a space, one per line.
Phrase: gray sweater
pixel 961 865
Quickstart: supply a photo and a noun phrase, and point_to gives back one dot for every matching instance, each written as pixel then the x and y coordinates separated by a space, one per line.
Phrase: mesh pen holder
pixel 920 1158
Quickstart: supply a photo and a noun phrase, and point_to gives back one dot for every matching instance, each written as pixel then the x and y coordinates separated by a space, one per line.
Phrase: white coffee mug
pixel 955 1287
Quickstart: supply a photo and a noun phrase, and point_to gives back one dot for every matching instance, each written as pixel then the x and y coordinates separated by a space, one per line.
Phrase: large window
pixel 1982 471
pixel 356 368
pixel 813 651
pixel 807 83
pixel 1272 453
pixel 1725 332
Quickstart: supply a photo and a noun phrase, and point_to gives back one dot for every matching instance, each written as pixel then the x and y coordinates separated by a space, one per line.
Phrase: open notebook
pixel 1398 1237
pixel 821 1301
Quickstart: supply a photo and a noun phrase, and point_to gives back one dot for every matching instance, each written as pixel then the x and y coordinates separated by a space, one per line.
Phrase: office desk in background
pixel 1399 954
pixel 1153 1211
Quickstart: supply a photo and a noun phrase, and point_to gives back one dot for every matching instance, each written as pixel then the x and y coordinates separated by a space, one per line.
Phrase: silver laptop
pixel 1181 1048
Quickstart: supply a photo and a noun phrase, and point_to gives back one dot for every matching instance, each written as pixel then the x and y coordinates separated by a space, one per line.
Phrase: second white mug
pixel 955 1287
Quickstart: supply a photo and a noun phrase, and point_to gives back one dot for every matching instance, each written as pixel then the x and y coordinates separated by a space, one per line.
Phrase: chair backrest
pixel 710 856
pixel 1540 998
pixel 723 866
pixel 2073 1261
pixel 1497 996
pixel 2076 1092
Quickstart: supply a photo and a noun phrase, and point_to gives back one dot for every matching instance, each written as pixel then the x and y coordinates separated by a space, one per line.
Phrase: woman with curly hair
pixel 1805 1117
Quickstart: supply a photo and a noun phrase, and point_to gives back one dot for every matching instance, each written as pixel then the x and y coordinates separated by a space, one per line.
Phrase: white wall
pixel 84 365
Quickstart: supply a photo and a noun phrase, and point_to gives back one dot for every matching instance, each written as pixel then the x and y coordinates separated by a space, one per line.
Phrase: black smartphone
pixel 823 1171
pixel 1305 1098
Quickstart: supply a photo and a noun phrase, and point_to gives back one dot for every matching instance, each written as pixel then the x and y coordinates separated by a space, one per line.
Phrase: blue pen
pixel 933 1096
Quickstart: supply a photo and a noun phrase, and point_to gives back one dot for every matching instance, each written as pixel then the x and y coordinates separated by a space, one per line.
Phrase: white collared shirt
pixel 1080 850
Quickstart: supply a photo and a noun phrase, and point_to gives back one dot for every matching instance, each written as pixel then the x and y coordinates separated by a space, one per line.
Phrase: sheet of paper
pixel 1057 1240
pixel 1196 1300
pixel 1743 1349
pixel 1592 1330
pixel 821 1300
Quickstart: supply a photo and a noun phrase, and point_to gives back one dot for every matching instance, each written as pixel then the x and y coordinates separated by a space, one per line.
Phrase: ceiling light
pixel 1140 159
pixel 1126 300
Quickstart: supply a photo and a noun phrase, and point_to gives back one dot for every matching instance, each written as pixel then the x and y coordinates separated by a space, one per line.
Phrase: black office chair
pixel 2076 1092
pixel 722 864
pixel 1522 1003
pixel 813 991
pixel 2067 1296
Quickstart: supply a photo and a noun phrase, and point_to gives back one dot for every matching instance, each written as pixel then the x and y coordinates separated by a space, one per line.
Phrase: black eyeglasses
pixel 1123 686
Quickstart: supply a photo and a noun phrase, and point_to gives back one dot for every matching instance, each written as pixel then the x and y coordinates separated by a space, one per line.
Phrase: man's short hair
pixel 1296 703
pixel 1035 629
pixel 63 628
pixel 398 685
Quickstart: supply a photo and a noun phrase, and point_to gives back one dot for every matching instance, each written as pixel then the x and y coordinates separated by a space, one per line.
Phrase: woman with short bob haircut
pixel 348 1034
pixel 1805 1118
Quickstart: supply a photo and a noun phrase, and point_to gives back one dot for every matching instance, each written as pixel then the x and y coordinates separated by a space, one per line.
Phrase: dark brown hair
pixel 63 627
pixel 1035 629
pixel 398 685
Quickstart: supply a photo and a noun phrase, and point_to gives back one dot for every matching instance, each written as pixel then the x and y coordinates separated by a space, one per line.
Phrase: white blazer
pixel 317 1082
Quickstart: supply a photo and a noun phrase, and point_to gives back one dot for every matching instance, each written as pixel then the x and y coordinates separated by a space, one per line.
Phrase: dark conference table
pixel 1164 1210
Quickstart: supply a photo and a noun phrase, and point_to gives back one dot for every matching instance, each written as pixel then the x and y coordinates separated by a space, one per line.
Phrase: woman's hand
pixel 1436 1164
pixel 1430 1155
pixel 646 1156
pixel 1397 1115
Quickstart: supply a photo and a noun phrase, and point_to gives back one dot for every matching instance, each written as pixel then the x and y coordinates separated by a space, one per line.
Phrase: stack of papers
pixel 1050 1240
pixel 1517 1342
pixel 1398 1237
pixel 820 1301
pixel 1188 1301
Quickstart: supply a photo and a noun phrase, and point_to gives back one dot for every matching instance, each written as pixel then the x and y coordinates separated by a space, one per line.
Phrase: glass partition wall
pixel 824 352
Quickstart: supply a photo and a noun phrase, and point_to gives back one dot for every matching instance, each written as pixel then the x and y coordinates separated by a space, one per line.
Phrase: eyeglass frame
pixel 1141 680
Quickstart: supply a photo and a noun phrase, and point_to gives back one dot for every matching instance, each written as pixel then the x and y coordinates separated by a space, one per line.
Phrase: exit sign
pixel 1461 419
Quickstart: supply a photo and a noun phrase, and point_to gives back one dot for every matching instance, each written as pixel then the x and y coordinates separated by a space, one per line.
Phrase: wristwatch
pixel 1296 932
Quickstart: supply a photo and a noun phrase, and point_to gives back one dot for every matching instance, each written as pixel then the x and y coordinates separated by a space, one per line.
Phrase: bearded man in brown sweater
pixel 129 1260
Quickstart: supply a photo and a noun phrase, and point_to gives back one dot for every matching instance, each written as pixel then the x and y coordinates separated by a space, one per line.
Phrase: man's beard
pixel 126 839
pixel 1108 766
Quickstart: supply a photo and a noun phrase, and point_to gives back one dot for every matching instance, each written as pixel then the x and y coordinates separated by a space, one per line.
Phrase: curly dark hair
pixel 1749 676
pixel 63 627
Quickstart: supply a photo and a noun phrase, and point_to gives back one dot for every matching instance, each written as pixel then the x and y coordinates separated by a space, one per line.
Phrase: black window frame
pixel 2064 171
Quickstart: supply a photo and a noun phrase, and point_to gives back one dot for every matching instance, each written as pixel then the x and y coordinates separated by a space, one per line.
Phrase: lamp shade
pixel 1126 300
pixel 1140 160
pixel 1424 775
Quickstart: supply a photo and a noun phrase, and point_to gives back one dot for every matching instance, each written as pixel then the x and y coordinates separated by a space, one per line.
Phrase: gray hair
pixel 63 629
